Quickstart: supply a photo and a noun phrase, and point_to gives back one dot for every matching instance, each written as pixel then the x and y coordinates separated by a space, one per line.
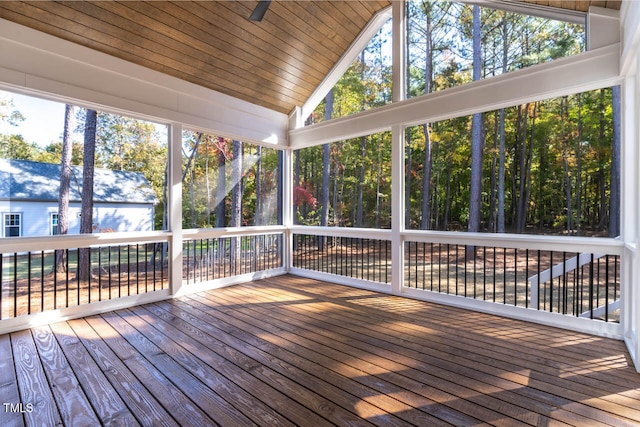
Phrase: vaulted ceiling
pixel 276 63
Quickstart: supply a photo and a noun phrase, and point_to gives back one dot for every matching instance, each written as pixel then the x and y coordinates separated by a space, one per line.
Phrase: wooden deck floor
pixel 294 351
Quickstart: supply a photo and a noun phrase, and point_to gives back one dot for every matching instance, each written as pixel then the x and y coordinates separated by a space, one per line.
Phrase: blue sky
pixel 44 119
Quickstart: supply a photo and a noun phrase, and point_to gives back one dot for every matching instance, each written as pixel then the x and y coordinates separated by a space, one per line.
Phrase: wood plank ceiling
pixel 276 63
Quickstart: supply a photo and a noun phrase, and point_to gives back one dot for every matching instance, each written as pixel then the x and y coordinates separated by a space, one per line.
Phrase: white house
pixel 29 192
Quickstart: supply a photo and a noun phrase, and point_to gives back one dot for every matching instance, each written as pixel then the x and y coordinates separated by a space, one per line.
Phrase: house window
pixel 12 223
pixel 54 224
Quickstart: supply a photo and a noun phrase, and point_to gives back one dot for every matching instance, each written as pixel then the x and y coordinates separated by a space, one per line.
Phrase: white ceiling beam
pixel 586 71
pixel 533 9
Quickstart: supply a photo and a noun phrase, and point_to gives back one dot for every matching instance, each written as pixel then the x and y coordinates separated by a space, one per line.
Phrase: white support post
pixel 399 25
pixel 287 207
pixel 174 188
pixel 397 209
pixel 630 206
pixel 397 149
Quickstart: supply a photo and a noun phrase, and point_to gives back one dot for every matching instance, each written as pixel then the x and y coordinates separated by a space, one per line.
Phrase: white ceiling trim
pixel 42 65
pixel 533 9
pixel 586 71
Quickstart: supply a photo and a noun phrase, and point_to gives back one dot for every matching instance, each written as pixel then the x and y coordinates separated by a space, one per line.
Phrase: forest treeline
pixel 545 167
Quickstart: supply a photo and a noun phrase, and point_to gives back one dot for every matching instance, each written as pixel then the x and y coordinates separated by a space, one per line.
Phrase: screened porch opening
pixel 405 212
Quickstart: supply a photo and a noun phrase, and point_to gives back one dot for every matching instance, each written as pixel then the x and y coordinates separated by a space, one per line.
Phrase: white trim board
pixel 38 64
pixel 586 71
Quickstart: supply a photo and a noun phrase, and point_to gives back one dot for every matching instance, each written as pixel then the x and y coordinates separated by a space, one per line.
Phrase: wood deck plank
pixel 263 404
pixel 430 398
pixel 311 402
pixel 174 401
pixel 235 397
pixel 290 351
pixel 109 407
pixel 492 357
pixel 378 357
pixel 147 410
pixel 70 399
pixel 33 385
pixel 481 353
pixel 311 392
pixel 9 393
pixel 376 393
pixel 503 351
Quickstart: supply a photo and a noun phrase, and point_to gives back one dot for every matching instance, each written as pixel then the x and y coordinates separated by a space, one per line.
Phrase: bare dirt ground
pixel 506 276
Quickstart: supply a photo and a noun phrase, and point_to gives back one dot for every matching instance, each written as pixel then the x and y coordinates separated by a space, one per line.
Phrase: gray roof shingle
pixel 27 180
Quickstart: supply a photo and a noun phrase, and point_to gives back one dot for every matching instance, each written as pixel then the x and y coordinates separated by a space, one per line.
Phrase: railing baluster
pixel 448 265
pixel 591 288
pixel 484 273
pixel 41 282
pixel 67 277
pixel 119 265
pixel 1 285
pixel 129 272
pixel 606 289
pixel 29 283
pixel 109 248
pixel 526 277
pixel 15 284
pixel 494 274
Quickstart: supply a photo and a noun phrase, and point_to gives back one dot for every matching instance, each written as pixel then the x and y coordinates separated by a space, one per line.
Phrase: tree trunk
pixel 579 167
pixel 65 183
pixel 523 115
pixel 527 193
pixel 257 220
pixel 360 202
pixel 207 183
pixel 378 178
pixel 614 203
pixel 426 181
pixel 326 160
pixel 501 167
pixel 475 190
pixel 493 181
pixel 221 191
pixel 447 198
pixel 601 175
pixel 426 170
pixel 236 204
pixel 408 174
pixel 565 163
pixel 86 216
pixel 501 173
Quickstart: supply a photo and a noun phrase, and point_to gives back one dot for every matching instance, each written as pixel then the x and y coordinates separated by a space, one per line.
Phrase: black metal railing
pixel 359 258
pixel 585 285
pixel 30 283
pixel 216 258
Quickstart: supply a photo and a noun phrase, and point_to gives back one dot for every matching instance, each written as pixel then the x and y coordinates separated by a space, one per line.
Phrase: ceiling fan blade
pixel 260 10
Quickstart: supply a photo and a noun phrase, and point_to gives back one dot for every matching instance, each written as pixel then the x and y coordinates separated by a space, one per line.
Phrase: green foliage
pixel 8 113
pixel 368 158
pixel 122 143
pixel 557 152
pixel 207 194
pixel 15 147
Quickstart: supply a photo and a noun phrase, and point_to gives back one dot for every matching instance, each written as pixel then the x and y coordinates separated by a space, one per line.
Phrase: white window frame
pixel 5 216
pixel 53 215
